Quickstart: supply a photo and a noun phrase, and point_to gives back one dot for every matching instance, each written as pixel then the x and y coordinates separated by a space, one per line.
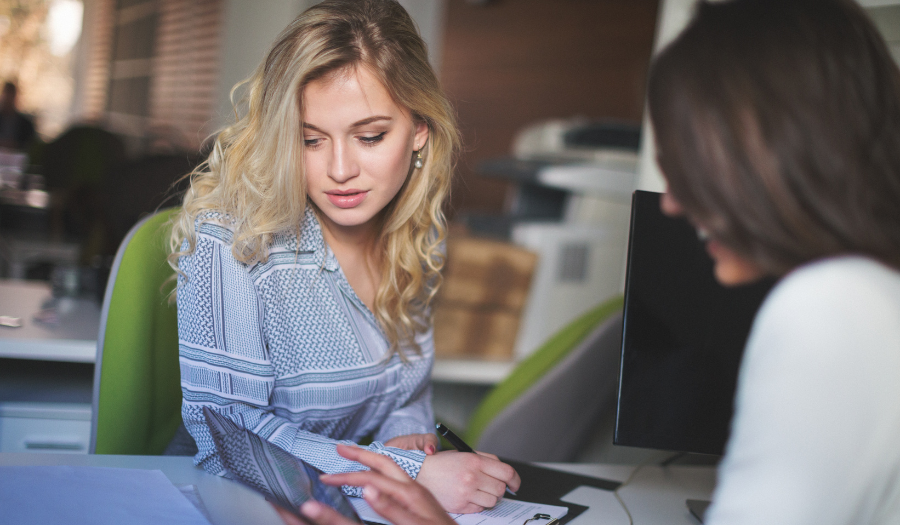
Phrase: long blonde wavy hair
pixel 255 172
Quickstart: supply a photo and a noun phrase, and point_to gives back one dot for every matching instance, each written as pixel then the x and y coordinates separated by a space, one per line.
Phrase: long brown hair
pixel 778 129
pixel 255 173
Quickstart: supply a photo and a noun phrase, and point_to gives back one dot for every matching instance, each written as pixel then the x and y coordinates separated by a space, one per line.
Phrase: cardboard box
pixel 487 273
pixel 478 307
pixel 465 332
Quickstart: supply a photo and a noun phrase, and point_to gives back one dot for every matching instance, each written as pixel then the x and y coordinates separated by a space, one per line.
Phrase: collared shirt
pixel 287 349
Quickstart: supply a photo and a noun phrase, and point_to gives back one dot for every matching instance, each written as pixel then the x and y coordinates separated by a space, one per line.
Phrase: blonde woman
pixel 308 252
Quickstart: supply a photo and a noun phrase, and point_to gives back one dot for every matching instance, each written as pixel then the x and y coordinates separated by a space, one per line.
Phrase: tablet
pixel 281 477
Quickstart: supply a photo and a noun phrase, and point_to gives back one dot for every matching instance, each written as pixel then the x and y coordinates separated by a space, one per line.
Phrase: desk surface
pixel 73 339
pixel 471 371
pixel 656 495
pixel 228 502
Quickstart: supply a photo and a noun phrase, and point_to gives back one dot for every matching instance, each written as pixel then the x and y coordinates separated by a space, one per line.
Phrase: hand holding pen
pixel 454 440
pixel 466 483
pixel 459 444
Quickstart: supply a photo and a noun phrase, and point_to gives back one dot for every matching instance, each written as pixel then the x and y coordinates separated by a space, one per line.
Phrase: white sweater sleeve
pixel 816 433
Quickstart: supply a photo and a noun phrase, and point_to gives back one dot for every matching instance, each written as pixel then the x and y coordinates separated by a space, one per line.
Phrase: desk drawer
pixel 45 427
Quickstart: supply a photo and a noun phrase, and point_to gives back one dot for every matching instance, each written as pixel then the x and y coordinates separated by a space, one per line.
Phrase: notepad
pixel 507 512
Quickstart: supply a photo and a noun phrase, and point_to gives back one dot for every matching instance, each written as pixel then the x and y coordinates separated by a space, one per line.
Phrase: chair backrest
pixel 83 155
pixel 141 186
pixel 549 405
pixel 137 387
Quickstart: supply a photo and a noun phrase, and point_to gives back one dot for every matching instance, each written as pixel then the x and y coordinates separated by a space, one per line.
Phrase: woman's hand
pixel 465 482
pixel 387 489
pixel 427 443
pixel 289 519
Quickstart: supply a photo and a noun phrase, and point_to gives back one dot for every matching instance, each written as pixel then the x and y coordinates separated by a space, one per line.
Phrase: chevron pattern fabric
pixel 287 350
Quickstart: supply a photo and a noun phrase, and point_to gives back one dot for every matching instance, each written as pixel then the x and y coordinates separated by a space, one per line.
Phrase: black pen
pixel 458 443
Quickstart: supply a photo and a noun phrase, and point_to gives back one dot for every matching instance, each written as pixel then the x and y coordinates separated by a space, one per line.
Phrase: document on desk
pixel 507 512
pixel 42 495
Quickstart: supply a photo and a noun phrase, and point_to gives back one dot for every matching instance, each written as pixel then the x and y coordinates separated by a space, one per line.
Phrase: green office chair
pixel 550 404
pixel 137 383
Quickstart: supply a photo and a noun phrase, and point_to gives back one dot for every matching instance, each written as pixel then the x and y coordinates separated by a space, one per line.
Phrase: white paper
pixel 193 495
pixel 507 512
pixel 48 495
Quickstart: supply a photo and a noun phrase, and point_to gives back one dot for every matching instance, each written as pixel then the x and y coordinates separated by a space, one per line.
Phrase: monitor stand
pixel 698 508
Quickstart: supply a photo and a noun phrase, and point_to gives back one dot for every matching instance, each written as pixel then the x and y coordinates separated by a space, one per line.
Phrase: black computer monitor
pixel 683 337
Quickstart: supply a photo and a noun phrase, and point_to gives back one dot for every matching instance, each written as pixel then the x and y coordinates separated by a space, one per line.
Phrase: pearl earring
pixel 419 160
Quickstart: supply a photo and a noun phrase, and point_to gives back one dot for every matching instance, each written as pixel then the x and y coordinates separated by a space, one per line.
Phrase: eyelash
pixel 371 141
pixel 366 141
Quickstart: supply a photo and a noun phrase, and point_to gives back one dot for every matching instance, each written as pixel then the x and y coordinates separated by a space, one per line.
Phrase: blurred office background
pixel 550 98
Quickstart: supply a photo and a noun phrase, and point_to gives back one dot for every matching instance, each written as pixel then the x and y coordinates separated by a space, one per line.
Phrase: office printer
pixel 570 203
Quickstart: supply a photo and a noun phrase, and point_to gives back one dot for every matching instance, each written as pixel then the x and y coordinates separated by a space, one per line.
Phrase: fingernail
pixel 311 508
pixel 429 449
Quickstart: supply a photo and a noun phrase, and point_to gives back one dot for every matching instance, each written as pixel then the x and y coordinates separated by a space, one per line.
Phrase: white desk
pixel 228 502
pixel 471 371
pixel 46 371
pixel 74 339
pixel 656 495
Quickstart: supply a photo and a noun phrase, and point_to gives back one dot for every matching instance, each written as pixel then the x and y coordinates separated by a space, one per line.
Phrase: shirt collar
pixel 312 240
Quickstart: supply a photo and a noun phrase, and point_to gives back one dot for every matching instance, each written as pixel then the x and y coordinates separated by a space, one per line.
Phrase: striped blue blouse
pixel 286 349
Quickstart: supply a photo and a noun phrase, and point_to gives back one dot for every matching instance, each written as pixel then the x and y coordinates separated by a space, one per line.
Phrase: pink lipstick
pixel 346 198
